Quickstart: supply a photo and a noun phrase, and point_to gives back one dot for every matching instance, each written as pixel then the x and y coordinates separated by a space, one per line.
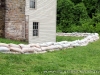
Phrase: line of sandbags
pixel 74 34
pixel 48 46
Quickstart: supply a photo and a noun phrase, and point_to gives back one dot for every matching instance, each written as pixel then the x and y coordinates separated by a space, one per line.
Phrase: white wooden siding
pixel 45 14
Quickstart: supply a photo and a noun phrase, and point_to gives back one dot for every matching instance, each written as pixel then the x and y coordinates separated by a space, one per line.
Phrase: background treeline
pixel 78 16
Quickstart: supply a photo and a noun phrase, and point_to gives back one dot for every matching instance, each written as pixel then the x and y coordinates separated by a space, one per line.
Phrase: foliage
pixel 65 15
pixel 76 1
pixel 78 16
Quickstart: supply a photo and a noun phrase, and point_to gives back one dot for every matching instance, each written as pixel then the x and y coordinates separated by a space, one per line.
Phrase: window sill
pixel 32 8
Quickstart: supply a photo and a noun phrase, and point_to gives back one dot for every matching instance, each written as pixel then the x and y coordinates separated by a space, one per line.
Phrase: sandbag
pixel 4 45
pixel 34 45
pixel 24 46
pixel 13 49
pixel 56 43
pixel 75 44
pixel 36 49
pixel 40 52
pixel 64 42
pixel 59 43
pixel 50 43
pixel 28 50
pixel 43 45
pixel 65 45
pixel 83 42
pixel 52 47
pixel 59 46
pixel 44 48
pixel 14 45
pixel 4 49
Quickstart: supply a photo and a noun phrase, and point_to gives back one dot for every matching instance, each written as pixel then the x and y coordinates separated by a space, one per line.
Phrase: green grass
pixel 3 40
pixel 73 61
pixel 67 38
pixel 59 38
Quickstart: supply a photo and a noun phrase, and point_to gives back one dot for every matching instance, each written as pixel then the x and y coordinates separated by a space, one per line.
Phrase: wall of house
pixel 15 20
pixel 2 17
pixel 45 14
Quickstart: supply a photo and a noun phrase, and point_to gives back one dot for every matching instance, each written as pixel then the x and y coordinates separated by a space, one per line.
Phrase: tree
pixel 91 6
pixel 76 1
pixel 65 16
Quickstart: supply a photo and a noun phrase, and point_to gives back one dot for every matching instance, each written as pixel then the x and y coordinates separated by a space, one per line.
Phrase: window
pixel 35 28
pixel 32 3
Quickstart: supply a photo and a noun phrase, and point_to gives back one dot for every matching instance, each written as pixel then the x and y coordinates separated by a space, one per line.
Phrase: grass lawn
pixel 68 38
pixel 3 40
pixel 73 61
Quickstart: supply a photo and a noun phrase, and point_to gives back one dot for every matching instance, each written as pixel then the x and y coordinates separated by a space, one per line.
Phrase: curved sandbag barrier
pixel 49 46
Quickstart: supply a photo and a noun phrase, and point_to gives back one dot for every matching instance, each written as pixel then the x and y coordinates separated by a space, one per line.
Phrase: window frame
pixel 33 6
pixel 35 28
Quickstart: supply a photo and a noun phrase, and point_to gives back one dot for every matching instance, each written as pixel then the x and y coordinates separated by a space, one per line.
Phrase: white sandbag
pixel 56 43
pixel 4 45
pixel 52 47
pixel 83 42
pixel 59 46
pixel 36 49
pixel 14 45
pixel 4 49
pixel 13 49
pixel 24 46
pixel 64 42
pixel 35 45
pixel 44 48
pixel 50 43
pixel 28 50
pixel 75 44
pixel 65 45
pixel 59 43
pixel 43 45
pixel 41 52
pixel 51 50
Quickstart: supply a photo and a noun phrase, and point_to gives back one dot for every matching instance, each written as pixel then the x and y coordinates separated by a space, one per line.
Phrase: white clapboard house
pixel 30 20
pixel 42 20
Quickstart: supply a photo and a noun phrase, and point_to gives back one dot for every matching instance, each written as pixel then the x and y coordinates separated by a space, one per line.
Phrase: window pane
pixel 32 3
pixel 35 23
pixel 35 32
pixel 35 28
